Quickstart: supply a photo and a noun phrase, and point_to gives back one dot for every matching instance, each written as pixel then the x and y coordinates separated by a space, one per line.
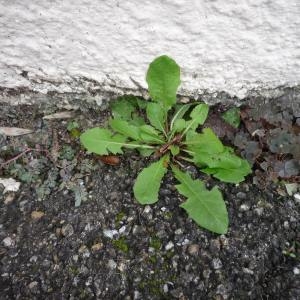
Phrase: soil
pixel 74 230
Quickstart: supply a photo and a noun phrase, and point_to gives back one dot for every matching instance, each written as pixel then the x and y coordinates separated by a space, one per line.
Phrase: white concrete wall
pixel 234 46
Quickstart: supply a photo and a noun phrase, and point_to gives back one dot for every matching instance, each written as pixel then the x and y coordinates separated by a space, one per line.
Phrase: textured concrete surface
pixel 238 48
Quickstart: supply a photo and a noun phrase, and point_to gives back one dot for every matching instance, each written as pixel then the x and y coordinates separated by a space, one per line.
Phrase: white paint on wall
pixel 234 46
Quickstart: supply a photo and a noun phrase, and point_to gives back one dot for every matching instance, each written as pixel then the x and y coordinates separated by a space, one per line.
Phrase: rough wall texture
pixel 72 46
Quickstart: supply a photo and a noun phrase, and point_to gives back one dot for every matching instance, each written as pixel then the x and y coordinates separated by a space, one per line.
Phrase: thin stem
pixel 20 155
pixel 185 158
pixel 138 146
pixel 188 151
pixel 178 162
pixel 165 133
pixel 177 114
pixel 186 129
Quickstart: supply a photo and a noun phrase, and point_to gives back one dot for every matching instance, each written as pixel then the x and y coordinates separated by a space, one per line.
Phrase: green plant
pixel 168 131
pixel 232 117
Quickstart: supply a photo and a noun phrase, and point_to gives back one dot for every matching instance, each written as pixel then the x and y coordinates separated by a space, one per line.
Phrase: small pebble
pixel 259 211
pixel 224 241
pixel 297 198
pixel 33 259
pixel 112 264
pixel 122 229
pixel 33 284
pixel 136 295
pixel 217 263
pixel 214 245
pixel 185 242
pixel 221 292
pixel 178 231
pixel 84 251
pixel 248 271
pixel 244 207
pixel 67 230
pixel 58 232
pixel 241 195
pixel 193 249
pixel 8 242
pixel 36 215
pixel 147 212
pixel 147 209
pixel 97 247
pixel 291 188
pixel 110 233
pixel 296 271
pixel 122 267
pixel 169 246
pixel 137 229
pixel 9 198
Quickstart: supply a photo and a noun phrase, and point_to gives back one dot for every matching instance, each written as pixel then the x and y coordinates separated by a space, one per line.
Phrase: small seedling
pixel 168 131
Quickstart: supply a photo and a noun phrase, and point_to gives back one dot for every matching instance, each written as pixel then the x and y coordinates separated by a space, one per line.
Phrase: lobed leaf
pixel 225 160
pixel 230 175
pixel 102 141
pixel 163 78
pixel 206 208
pixel 206 141
pixel 148 181
pixel 220 161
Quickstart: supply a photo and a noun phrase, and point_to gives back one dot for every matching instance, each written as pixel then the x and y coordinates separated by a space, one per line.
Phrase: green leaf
pixel 156 116
pixel 123 107
pixel 232 117
pixel 208 151
pixel 148 181
pixel 102 141
pixel 199 113
pixel 180 110
pixel 231 175
pixel 198 117
pixel 224 160
pixel 175 150
pixel 179 126
pixel 163 78
pixel 142 104
pixel 206 141
pixel 125 128
pixel 136 120
pixel 206 208
pixel 149 135
pixel 145 152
